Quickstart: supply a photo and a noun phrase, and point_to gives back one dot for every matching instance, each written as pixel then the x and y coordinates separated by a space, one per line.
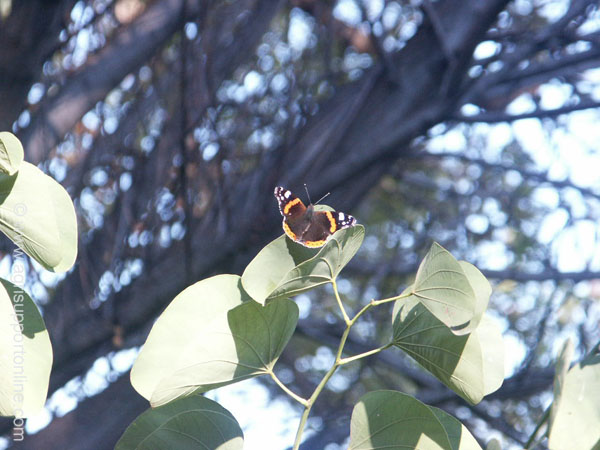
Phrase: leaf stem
pixel 320 387
pixel 542 421
pixel 377 303
pixel 365 354
pixel 339 301
pixel 391 299
pixel 338 357
pixel 287 390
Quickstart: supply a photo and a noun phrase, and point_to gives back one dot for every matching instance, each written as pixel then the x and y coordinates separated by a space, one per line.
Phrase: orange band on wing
pixel 290 205
pixel 314 243
pixel 289 232
pixel 293 236
pixel 332 221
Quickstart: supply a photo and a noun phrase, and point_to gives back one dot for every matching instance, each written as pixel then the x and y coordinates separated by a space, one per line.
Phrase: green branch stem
pixel 391 299
pixel 338 357
pixel 339 301
pixel 542 421
pixel 287 390
pixel 320 387
pixel 365 354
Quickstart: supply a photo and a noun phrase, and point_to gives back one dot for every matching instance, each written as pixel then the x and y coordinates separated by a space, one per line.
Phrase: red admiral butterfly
pixel 305 225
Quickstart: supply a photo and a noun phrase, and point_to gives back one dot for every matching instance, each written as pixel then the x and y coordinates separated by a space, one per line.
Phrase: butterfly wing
pixel 290 206
pixel 323 225
pixel 305 225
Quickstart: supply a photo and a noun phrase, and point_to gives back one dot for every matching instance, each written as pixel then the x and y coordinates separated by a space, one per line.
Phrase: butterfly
pixel 305 225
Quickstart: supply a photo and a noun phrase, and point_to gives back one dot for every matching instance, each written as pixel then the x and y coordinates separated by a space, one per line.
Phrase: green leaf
pixel 471 365
pixel 443 287
pixel 171 341
pixel 482 289
pixel 211 335
pixel 25 353
pixel 11 153
pixel 576 421
pixel 393 420
pixel 271 265
pixel 250 346
pixel 460 438
pixel 284 268
pixel 37 214
pixel 190 423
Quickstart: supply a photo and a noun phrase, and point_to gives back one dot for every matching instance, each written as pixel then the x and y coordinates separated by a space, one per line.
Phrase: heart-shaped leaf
pixel 393 420
pixel 482 289
pixel 271 265
pixel 25 353
pixel 443 287
pixel 576 415
pixel 250 346
pixel 284 268
pixel 190 423
pixel 471 365
pixel 211 335
pixel 37 214
pixel 460 438
pixel 11 153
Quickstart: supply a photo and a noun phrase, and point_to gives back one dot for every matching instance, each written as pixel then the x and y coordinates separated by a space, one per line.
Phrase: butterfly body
pixel 305 225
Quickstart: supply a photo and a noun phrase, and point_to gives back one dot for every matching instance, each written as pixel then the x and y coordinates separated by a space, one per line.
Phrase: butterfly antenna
pixel 307 194
pixel 317 202
pixel 322 198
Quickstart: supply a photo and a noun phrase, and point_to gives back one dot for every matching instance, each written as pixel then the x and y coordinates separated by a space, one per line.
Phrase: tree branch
pixel 500 116
pixel 541 177
pixel 363 269
pixel 129 49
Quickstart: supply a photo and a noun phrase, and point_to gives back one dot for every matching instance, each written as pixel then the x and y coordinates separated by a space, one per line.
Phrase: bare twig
pixel 501 116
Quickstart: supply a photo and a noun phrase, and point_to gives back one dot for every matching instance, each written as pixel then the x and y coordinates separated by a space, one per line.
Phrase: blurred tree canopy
pixel 169 122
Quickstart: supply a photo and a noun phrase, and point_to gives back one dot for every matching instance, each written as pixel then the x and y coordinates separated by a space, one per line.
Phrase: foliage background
pixel 473 123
